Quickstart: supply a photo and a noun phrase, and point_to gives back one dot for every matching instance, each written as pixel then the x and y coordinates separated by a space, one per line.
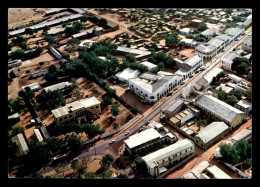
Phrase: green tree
pixel 172 40
pixel 161 66
pixel 249 93
pixel 49 39
pixel 114 109
pixel 16 130
pixel 73 41
pixel 17 54
pixel 106 161
pixel 38 154
pixel 115 125
pixel 202 27
pixel 237 93
pixel 140 165
pixel 107 99
pixel 17 104
pixel 122 176
pixel 189 36
pixel 29 31
pixel 134 110
pixel 46 28
pixel 102 22
pixel 19 39
pixel 74 143
pixel 29 93
pixel 53 144
pixel 83 19
pixel 107 174
pixel 51 77
pixel 91 175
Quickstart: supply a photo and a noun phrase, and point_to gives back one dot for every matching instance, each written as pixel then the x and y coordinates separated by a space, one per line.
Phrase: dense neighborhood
pixel 130 93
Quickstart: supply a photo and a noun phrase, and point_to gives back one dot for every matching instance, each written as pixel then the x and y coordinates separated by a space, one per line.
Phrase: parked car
pixel 127 132
pixel 112 141
pixel 202 68
pixel 141 129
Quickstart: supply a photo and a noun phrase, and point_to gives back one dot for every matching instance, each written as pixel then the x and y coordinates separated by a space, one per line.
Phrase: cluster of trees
pixel 201 38
pixel 21 54
pixel 162 60
pixel 216 79
pixel 140 166
pixel 240 65
pixel 18 40
pixel 30 31
pixel 202 27
pixel 100 22
pixel 15 105
pixel 231 98
pixel 51 40
pixel 51 100
pixel 236 153
pixel 173 40
pixel 75 28
pixel 90 129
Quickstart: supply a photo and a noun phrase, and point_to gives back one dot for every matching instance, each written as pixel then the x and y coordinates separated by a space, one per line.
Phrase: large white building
pixel 220 110
pixel 147 139
pixel 58 86
pixel 127 74
pixel 151 67
pixel 76 110
pixel 193 63
pixel 157 161
pixel 153 87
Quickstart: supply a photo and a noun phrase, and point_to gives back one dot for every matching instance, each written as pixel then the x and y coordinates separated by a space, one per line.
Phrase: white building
pixel 244 106
pixel 55 53
pixel 196 171
pixel 208 32
pixel 227 60
pixel 139 54
pixel 242 135
pixel 185 31
pixel 147 139
pixel 209 77
pixel 235 78
pixel 190 42
pixel 33 86
pixel 151 67
pixel 127 74
pixel 234 33
pixel 224 88
pixel 58 86
pixel 76 110
pixel 247 44
pixel 157 161
pixel 153 87
pixel 217 173
pixel 193 63
pixel 85 44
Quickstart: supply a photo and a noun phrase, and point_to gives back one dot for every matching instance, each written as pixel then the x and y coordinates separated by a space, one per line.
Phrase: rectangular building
pixel 33 86
pixel 127 74
pixel 217 173
pixel 227 60
pixel 20 140
pixel 157 161
pixel 220 110
pixel 76 110
pixel 55 53
pixel 151 67
pixel 58 86
pixel 152 87
pixel 211 134
pixel 172 108
pixel 244 106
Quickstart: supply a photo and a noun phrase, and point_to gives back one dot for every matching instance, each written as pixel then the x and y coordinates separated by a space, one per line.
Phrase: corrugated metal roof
pixel 218 107
pixel 166 152
pixel 211 131
pixel 196 171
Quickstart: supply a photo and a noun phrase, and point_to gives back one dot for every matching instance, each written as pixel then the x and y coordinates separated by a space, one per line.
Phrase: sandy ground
pixel 187 52
pixel 208 155
pixel 22 80
pixel 21 16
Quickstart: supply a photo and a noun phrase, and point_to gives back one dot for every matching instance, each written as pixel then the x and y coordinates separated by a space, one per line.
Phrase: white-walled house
pixel 153 87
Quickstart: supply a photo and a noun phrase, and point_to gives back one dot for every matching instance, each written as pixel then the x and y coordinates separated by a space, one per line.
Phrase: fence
pixel 176 166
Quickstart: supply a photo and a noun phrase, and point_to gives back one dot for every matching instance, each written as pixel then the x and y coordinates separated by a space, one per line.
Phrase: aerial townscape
pixel 130 93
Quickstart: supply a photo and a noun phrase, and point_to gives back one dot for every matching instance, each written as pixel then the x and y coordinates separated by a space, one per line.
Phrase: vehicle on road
pixel 140 130
pixel 112 141
pixel 127 132
pixel 202 68
pixel 125 85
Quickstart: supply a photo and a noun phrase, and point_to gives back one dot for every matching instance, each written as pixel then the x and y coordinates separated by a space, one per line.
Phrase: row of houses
pixel 215 45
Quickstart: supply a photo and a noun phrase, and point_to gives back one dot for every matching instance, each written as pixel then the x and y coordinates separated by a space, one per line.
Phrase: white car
pixel 112 141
